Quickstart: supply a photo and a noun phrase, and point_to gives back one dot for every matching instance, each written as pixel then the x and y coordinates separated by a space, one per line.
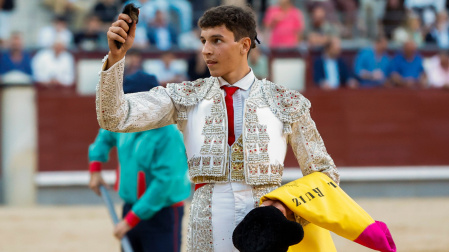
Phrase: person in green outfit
pixel 152 179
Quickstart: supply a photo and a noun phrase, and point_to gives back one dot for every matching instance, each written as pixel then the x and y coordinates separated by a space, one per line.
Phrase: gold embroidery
pixel 237 158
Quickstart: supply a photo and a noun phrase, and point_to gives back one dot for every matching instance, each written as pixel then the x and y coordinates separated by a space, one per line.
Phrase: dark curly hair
pixel 240 21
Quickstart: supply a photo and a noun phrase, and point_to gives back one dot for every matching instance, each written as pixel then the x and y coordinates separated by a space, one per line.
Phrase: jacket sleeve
pixel 309 148
pixel 134 112
pixel 318 72
pixel 168 172
pixel 345 71
pixel 359 63
pixel 100 148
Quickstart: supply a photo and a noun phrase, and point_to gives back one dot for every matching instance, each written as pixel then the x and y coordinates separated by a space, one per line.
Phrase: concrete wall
pixel 19 141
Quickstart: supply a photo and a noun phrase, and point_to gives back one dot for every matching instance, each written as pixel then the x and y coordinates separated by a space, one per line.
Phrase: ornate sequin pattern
pixel 213 149
pixel 190 93
pixel 258 170
pixel 309 148
pixel 131 112
pixel 237 158
pixel 210 165
pixel 287 105
pixel 199 234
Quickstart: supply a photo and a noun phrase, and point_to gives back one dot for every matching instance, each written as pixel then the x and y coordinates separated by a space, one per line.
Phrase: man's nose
pixel 206 49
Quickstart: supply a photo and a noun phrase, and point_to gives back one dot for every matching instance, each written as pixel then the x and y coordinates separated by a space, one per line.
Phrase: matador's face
pixel 222 54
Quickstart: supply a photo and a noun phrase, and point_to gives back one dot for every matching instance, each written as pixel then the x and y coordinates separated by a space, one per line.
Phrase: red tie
pixel 230 110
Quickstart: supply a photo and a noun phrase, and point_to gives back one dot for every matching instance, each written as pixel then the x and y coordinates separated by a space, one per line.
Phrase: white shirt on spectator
pixel 438 77
pixel 163 73
pixel 442 36
pixel 47 66
pixel 189 41
pixel 141 39
pixel 48 35
pixel 331 71
pixel 163 40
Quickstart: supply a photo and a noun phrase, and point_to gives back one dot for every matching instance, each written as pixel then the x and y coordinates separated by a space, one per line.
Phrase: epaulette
pixel 288 105
pixel 190 93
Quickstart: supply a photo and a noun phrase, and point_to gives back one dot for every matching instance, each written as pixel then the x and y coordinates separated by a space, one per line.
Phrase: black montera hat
pixel 265 229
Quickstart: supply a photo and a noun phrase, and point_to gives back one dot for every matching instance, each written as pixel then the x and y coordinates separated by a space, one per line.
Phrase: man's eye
pixel 203 41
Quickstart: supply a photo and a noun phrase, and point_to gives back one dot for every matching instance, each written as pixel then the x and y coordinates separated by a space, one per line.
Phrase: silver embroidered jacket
pixel 273 117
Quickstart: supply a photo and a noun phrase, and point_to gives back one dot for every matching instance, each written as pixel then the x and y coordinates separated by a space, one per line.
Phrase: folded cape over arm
pixel 320 201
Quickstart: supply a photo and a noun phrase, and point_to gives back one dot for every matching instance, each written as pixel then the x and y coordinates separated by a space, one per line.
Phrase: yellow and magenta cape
pixel 319 200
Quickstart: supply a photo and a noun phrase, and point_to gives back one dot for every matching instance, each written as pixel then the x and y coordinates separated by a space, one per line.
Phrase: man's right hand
pixel 95 181
pixel 123 30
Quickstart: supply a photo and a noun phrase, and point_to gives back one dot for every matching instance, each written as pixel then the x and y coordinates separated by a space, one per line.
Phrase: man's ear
pixel 245 45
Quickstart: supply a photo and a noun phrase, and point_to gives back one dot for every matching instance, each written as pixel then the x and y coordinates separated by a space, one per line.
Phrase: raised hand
pixel 123 30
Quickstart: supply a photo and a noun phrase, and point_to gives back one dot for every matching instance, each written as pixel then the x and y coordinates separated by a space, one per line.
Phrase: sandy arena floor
pixel 416 225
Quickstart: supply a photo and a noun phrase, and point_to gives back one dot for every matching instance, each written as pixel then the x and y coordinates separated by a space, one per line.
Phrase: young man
pixel 236 127
pixel 151 180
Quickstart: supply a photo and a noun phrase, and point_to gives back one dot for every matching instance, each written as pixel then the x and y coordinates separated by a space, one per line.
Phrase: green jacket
pixel 153 167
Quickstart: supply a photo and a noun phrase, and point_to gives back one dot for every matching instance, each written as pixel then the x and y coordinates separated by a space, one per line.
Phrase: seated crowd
pixel 396 30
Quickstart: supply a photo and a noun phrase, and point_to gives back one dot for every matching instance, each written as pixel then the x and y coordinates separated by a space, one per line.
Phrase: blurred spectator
pixel 348 9
pixel 371 64
pixel 286 24
pixel 320 29
pixel 437 70
pixel 394 16
pixel 160 33
pixel 75 10
pixel 93 37
pixel 426 9
pixel 190 40
pixel 439 33
pixel 107 10
pixel 258 63
pixel 134 74
pixel 6 7
pixel 411 30
pixel 370 15
pixel 197 67
pixel 166 69
pixel 15 64
pixel 327 5
pixel 182 9
pixel 56 31
pixel 54 66
pixel 406 68
pixel 141 39
pixel 330 71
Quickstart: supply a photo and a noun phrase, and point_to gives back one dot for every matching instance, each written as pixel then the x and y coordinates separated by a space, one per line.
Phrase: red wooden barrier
pixel 379 127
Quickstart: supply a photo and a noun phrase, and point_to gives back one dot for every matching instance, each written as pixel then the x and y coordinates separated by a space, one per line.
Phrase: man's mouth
pixel 210 62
